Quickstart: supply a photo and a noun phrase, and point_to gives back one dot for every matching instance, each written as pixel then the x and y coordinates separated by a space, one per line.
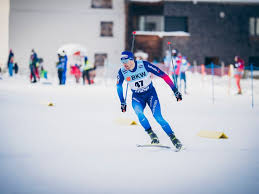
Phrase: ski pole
pixel 171 61
pixel 132 49
pixel 252 85
pixel 133 40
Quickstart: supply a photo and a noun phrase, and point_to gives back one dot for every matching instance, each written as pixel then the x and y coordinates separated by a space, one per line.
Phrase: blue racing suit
pixel 143 92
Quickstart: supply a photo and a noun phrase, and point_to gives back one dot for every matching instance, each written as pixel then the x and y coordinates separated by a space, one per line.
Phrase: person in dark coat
pixel 16 68
pixel 33 61
pixel 60 68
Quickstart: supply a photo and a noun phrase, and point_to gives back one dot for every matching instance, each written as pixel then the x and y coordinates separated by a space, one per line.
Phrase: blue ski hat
pixel 127 55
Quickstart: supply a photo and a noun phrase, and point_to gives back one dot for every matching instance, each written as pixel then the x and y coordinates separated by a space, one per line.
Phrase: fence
pixel 222 70
pixel 251 71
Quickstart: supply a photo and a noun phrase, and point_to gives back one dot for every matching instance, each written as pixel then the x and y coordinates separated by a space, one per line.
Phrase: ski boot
pixel 176 142
pixel 153 136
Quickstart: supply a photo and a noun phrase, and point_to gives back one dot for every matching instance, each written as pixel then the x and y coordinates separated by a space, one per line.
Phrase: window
pixel 151 23
pixel 254 26
pixel 102 4
pixel 161 23
pixel 99 59
pixel 173 24
pixel 106 28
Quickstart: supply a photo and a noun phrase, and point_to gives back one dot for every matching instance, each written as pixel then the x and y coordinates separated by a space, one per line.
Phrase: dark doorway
pixel 209 60
pixel 254 60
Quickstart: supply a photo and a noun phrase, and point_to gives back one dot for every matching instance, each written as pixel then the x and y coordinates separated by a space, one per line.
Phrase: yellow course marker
pixel 133 123
pixel 46 103
pixel 50 104
pixel 125 121
pixel 212 134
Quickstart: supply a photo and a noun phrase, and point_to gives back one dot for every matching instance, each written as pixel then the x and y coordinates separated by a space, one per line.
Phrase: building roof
pixel 199 1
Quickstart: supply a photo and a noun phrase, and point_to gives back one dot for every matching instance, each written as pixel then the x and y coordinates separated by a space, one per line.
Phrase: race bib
pixel 138 80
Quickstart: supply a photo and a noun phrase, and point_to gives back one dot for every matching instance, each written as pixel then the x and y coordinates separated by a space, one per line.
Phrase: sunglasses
pixel 123 61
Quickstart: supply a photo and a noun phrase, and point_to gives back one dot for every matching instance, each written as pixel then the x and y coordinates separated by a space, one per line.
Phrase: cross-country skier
pixel 137 74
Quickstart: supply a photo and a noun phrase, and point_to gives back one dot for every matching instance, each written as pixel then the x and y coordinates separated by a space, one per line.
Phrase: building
pixel 47 25
pixel 203 30
pixel 4 33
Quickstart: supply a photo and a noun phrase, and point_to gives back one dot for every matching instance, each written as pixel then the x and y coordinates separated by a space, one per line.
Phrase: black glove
pixel 178 96
pixel 123 107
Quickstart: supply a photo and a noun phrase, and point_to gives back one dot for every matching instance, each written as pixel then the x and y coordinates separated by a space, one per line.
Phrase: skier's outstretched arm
pixel 120 80
pixel 158 72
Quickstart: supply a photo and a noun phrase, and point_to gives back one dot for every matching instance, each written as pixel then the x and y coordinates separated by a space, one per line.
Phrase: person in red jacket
pixel 239 71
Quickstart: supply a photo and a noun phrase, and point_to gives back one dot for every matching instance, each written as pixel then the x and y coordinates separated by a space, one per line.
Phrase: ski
pixel 154 145
pixel 159 146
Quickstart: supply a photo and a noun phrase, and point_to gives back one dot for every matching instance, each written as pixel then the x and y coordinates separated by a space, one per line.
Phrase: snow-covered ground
pixel 77 146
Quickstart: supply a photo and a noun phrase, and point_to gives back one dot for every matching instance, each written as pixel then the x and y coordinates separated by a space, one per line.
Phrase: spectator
pixel 16 68
pixel 0 71
pixel 36 61
pixel 10 66
pixel 63 60
pixel 43 72
pixel 11 55
pixel 167 61
pixel 239 71
pixel 60 68
pixel 32 65
pixel 176 64
pixel 183 68
pixel 86 69
pixel 92 74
